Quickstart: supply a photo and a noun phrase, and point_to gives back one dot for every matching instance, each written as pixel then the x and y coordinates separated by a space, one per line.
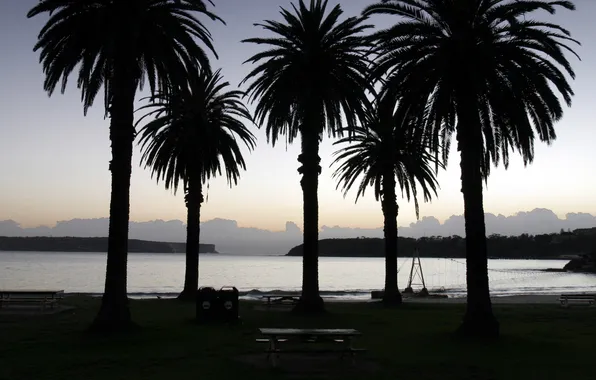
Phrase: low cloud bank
pixel 229 238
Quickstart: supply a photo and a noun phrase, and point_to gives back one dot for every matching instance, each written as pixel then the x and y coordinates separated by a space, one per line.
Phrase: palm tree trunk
pixel 193 229
pixel 114 313
pixel 310 301
pixel 479 320
pixel 391 295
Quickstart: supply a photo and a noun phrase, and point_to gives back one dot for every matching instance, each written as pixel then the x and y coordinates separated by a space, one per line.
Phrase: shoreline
pixel 513 299
pixel 135 252
pixel 495 299
pixel 504 299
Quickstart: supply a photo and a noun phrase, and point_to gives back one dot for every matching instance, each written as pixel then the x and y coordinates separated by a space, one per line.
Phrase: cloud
pixel 229 238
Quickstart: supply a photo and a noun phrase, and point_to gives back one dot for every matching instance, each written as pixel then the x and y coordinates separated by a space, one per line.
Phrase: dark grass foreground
pixel 412 342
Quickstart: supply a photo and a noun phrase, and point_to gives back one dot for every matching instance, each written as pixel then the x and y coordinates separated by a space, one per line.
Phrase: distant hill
pixel 88 244
pixel 547 246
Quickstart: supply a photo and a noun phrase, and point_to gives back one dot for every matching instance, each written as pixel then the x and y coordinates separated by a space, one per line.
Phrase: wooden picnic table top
pixel 310 332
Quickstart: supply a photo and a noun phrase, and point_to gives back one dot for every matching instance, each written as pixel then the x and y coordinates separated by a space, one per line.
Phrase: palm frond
pixel 196 132
pixel 313 63
pixel 391 141
pixel 164 37
pixel 514 67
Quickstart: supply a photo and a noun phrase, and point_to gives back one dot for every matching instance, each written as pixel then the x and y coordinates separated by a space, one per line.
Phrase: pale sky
pixel 54 161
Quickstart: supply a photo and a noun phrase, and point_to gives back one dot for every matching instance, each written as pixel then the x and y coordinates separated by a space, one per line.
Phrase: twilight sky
pixel 54 161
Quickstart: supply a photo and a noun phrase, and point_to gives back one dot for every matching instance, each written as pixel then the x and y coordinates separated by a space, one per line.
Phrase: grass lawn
pixel 413 342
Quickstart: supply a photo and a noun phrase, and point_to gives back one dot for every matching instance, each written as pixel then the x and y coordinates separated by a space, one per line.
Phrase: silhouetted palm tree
pixel 194 137
pixel 115 44
pixel 312 69
pixel 488 71
pixel 390 149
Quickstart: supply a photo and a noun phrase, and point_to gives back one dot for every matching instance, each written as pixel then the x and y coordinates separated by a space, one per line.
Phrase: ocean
pixel 150 275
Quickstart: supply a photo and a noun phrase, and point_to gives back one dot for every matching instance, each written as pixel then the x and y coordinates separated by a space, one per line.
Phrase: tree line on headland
pixel 544 246
pixel 489 74
pixel 91 244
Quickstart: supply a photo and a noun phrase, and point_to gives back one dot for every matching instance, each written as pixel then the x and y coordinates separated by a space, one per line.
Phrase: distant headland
pixel 91 244
pixel 563 245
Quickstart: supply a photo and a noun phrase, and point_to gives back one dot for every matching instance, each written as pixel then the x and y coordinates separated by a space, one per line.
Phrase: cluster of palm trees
pixel 486 70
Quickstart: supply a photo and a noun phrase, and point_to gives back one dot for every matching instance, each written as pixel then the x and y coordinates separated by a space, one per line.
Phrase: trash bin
pixel 206 304
pixel 228 303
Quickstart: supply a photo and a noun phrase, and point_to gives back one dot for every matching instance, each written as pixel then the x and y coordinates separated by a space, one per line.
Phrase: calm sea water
pixel 151 274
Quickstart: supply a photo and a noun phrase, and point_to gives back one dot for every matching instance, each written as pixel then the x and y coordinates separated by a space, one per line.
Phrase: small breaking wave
pixel 257 294
pixel 365 294
pixel 343 294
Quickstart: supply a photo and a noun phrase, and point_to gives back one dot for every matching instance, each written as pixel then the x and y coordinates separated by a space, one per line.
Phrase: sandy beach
pixel 513 299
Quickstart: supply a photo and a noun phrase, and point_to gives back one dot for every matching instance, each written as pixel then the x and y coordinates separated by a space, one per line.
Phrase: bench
pixel 307 340
pixel 303 339
pixel 43 298
pixel 579 299
pixel 280 299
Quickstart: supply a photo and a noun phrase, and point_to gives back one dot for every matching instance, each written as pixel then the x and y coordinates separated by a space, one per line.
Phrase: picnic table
pixel 582 298
pixel 24 297
pixel 275 336
pixel 280 299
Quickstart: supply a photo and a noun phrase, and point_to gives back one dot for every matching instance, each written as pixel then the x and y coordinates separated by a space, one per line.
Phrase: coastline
pixel 507 299
pixel 90 245
pixel 514 299
pixel 4 251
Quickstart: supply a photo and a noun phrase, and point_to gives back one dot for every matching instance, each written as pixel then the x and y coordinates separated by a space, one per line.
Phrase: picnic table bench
pixel 582 299
pixel 340 338
pixel 280 299
pixel 44 298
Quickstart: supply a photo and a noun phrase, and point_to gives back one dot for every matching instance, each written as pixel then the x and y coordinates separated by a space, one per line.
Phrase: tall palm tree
pixel 488 71
pixel 312 68
pixel 194 136
pixel 389 150
pixel 118 45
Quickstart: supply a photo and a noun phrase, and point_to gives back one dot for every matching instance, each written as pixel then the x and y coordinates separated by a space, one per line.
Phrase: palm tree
pixel 194 136
pixel 389 150
pixel 489 71
pixel 312 68
pixel 114 44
